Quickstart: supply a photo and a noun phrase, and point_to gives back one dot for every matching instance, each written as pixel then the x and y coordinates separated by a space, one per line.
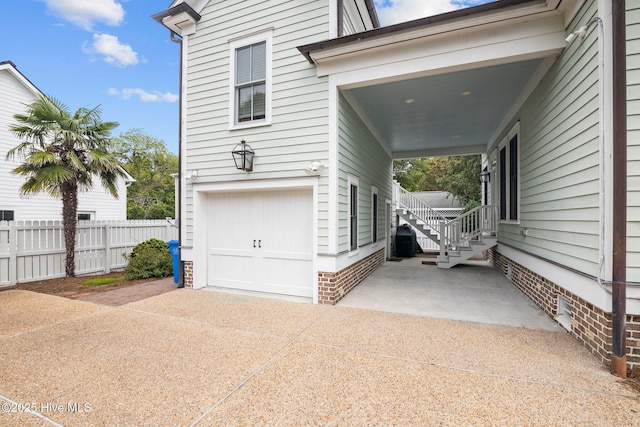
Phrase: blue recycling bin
pixel 175 257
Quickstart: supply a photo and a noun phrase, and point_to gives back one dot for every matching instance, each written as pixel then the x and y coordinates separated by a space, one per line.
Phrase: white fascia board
pixel 467 25
pixel 459 50
pixel 437 152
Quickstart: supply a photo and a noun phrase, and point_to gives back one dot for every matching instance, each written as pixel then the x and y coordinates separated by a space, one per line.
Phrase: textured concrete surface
pixel 207 359
pixel 473 291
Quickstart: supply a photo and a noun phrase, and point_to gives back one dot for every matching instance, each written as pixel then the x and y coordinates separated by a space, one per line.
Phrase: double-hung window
pixel 508 173
pixel 250 81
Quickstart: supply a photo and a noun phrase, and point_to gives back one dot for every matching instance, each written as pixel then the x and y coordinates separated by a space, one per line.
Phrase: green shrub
pixel 150 258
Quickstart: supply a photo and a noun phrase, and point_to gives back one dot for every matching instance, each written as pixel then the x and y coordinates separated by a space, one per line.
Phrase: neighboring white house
pixel 327 99
pixel 16 91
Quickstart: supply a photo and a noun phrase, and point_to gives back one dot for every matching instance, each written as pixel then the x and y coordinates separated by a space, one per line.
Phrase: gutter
pixel 178 40
pixel 179 20
pixel 619 260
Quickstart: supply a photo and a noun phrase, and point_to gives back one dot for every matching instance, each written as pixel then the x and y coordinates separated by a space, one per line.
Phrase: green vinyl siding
pixel 360 155
pixel 633 141
pixel 298 133
pixel 559 159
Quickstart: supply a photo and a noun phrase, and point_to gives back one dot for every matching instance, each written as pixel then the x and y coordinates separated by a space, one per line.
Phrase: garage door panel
pixel 290 277
pixel 230 271
pixel 281 224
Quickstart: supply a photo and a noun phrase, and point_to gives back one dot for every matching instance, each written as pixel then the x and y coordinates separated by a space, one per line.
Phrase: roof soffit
pixel 180 18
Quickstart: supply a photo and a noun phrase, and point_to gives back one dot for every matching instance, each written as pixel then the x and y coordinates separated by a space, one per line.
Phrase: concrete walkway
pixel 473 291
pixel 207 358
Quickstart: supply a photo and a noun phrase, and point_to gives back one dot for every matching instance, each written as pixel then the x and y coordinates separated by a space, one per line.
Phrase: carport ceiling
pixel 449 113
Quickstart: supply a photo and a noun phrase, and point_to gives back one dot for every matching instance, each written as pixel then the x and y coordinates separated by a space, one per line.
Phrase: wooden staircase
pixel 459 239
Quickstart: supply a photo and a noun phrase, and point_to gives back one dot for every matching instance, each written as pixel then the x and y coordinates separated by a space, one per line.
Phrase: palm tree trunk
pixel 69 223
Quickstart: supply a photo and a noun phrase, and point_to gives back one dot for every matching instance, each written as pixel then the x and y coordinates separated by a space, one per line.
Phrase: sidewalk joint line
pixel 30 411
pixel 472 371
pixel 261 367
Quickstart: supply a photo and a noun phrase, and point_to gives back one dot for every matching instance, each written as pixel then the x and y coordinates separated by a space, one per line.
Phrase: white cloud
pixel 112 51
pixel 395 11
pixel 85 13
pixel 143 95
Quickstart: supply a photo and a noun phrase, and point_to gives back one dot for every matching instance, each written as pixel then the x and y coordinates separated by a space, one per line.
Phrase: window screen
pixel 251 82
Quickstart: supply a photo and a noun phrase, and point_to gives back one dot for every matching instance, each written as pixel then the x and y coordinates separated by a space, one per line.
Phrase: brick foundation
pixel 589 324
pixel 332 287
pixel 188 274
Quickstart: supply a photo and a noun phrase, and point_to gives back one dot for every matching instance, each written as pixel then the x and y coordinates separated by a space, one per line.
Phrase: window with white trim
pixel 352 184
pixel 374 214
pixel 6 215
pixel 250 86
pixel 509 176
pixel 85 216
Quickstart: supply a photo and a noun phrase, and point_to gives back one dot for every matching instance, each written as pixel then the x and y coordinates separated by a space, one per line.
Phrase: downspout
pixel 178 40
pixel 619 260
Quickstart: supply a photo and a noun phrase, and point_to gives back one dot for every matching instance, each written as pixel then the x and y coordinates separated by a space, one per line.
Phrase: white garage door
pixel 261 241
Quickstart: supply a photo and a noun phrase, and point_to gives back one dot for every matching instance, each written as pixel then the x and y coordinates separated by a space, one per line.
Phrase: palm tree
pixel 61 155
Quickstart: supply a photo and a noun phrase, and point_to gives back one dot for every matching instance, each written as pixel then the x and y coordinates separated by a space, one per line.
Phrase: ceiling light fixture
pixel 465 93
pixel 409 101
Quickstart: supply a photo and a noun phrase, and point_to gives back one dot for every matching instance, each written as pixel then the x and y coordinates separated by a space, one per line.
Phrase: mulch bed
pixel 72 287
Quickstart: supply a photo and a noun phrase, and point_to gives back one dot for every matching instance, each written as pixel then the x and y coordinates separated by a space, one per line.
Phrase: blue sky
pixel 111 53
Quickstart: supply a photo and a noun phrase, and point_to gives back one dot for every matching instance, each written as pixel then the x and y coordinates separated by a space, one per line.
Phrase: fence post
pixel 13 253
pixel 107 248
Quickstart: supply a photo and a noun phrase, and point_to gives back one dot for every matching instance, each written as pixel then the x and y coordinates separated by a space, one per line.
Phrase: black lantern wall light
pixel 243 156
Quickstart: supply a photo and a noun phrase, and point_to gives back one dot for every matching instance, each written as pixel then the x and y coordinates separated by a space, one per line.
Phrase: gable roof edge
pixel 11 67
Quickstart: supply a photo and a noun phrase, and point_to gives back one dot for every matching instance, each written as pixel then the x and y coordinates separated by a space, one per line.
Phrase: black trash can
pixel 406 244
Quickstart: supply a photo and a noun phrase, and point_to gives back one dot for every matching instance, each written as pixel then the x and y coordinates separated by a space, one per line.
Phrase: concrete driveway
pixel 209 359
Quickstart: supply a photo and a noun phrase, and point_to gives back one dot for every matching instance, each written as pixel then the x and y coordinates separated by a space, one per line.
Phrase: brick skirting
pixel 589 325
pixel 332 287
pixel 188 274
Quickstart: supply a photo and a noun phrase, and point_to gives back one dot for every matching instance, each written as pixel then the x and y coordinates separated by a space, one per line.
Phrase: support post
pixel 618 294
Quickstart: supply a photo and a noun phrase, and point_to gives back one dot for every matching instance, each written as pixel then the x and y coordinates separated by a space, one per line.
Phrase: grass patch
pixel 101 281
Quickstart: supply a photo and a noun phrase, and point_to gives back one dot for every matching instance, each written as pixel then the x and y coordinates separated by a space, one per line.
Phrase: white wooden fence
pixel 35 250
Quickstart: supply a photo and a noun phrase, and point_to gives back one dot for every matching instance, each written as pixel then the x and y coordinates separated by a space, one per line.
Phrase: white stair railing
pixel 467 227
pixel 418 208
